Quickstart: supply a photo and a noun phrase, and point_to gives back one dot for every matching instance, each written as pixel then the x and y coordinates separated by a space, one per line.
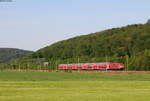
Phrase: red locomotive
pixel 92 66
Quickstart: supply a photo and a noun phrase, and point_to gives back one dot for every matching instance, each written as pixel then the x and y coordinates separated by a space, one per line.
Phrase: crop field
pixel 60 86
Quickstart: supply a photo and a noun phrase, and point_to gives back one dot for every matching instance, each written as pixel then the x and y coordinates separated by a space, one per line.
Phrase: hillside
pixel 129 45
pixel 148 21
pixel 8 54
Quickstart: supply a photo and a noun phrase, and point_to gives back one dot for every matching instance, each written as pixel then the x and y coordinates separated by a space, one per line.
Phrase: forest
pixel 129 45
pixel 8 54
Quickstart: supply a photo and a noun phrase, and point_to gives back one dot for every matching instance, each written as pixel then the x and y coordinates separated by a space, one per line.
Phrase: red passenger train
pixel 92 66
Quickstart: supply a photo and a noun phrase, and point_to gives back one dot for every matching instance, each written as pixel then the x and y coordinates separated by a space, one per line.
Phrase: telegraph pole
pixel 78 60
pixel 106 58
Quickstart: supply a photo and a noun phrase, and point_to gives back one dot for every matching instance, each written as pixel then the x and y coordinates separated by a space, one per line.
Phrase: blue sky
pixel 34 24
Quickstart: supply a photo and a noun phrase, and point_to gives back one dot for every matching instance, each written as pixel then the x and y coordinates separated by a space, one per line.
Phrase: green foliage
pixel 129 45
pixel 8 54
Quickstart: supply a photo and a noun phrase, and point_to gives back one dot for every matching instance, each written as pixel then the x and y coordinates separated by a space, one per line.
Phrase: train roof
pixel 101 63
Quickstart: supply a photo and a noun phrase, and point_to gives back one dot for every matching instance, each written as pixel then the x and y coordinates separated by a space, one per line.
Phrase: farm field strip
pixel 76 90
pixel 78 87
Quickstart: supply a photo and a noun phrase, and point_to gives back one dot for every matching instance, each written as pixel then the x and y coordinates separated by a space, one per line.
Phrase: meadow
pixel 60 86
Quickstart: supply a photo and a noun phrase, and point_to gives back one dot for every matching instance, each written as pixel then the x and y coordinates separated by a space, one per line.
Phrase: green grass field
pixel 51 86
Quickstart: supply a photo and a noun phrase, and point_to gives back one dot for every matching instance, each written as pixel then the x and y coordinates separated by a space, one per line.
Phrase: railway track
pixel 116 72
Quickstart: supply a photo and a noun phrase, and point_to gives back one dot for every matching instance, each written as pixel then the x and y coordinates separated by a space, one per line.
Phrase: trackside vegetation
pixel 129 45
pixel 65 76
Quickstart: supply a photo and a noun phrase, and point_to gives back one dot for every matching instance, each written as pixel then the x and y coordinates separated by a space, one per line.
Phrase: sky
pixel 34 24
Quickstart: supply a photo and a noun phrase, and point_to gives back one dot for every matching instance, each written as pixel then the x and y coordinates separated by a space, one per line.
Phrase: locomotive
pixel 92 66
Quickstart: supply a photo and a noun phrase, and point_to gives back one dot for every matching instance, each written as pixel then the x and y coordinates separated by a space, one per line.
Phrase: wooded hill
pixel 8 54
pixel 129 45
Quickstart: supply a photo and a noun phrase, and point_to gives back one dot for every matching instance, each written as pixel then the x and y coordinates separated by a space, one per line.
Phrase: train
pixel 92 66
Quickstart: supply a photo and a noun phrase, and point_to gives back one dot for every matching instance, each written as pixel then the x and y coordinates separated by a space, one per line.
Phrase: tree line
pixel 129 45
